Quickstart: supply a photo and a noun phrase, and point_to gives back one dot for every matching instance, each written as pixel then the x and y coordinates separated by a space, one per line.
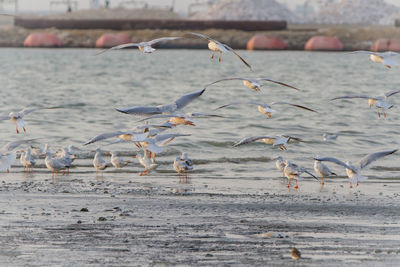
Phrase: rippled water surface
pixel 90 87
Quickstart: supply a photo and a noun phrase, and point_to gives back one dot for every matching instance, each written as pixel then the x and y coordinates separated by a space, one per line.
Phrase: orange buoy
pixel 324 43
pixel 112 39
pixel 42 39
pixel 263 42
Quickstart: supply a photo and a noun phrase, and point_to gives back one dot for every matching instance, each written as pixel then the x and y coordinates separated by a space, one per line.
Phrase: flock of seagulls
pixel 151 139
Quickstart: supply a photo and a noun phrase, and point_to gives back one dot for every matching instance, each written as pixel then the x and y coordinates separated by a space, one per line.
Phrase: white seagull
pixel 388 58
pixel 353 172
pixel 18 117
pixel 118 162
pixel 27 160
pixel 182 164
pixel 53 164
pixel 65 158
pixel 322 170
pixel 98 161
pixel 145 47
pixel 266 108
pixel 148 164
pixel 280 163
pixel 163 109
pixel 253 83
pixel 216 46
pixel 8 156
pixel 292 171
pixel 378 101
pixel 279 141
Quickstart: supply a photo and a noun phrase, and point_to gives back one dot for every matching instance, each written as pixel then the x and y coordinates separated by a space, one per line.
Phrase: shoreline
pixel 353 37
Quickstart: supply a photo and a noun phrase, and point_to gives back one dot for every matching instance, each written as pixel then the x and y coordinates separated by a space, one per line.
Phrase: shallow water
pixel 90 87
pixel 234 195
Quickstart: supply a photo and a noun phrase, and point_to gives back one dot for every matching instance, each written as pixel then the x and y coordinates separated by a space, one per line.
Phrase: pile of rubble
pixel 246 10
pixel 357 12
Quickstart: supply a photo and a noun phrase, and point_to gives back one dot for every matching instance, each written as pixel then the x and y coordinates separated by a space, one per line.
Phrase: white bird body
pixel 144 47
pixel 118 162
pixel 147 163
pixel 322 170
pixel 388 59
pixel 98 161
pixel 329 137
pixel 65 158
pixel 27 160
pixel 218 47
pixel 53 164
pixel 280 164
pixel 292 171
pixel 182 165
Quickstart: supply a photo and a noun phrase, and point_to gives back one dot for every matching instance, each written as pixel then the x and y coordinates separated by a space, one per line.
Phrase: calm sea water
pixel 90 87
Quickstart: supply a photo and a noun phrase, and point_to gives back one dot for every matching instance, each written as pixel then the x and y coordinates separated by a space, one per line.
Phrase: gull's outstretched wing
pixel 241 103
pixel 13 145
pixel 163 137
pixel 353 96
pixel 204 37
pixel 152 42
pixel 294 105
pixel 336 161
pixel 26 111
pixel 227 79
pixel 236 54
pixel 140 110
pixel 278 82
pixel 393 92
pixel 368 159
pixel 3 118
pixel 203 115
pixel 182 102
pixel 252 139
pixel 118 47
pixel 158 116
pixel 136 137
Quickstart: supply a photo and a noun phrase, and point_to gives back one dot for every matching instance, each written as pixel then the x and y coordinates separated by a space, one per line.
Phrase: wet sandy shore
pixel 122 219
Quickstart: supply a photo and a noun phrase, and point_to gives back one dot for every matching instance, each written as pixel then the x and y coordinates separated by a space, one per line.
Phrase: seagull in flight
pixel 144 47
pixel 388 59
pixel 279 141
pixel 163 109
pixel 378 101
pixel 266 108
pixel 354 171
pixel 18 117
pixel 253 83
pixel 216 46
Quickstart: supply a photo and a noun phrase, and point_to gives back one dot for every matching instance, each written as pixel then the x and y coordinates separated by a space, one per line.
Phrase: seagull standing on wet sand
pixel 322 170
pixel 118 162
pixel 98 161
pixel 182 164
pixel 27 160
pixel 292 171
pixel 53 164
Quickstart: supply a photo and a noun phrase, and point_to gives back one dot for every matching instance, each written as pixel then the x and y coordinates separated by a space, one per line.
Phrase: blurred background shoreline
pixel 284 25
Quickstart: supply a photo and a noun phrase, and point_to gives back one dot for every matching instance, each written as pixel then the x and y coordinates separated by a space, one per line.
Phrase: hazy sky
pixel 181 5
